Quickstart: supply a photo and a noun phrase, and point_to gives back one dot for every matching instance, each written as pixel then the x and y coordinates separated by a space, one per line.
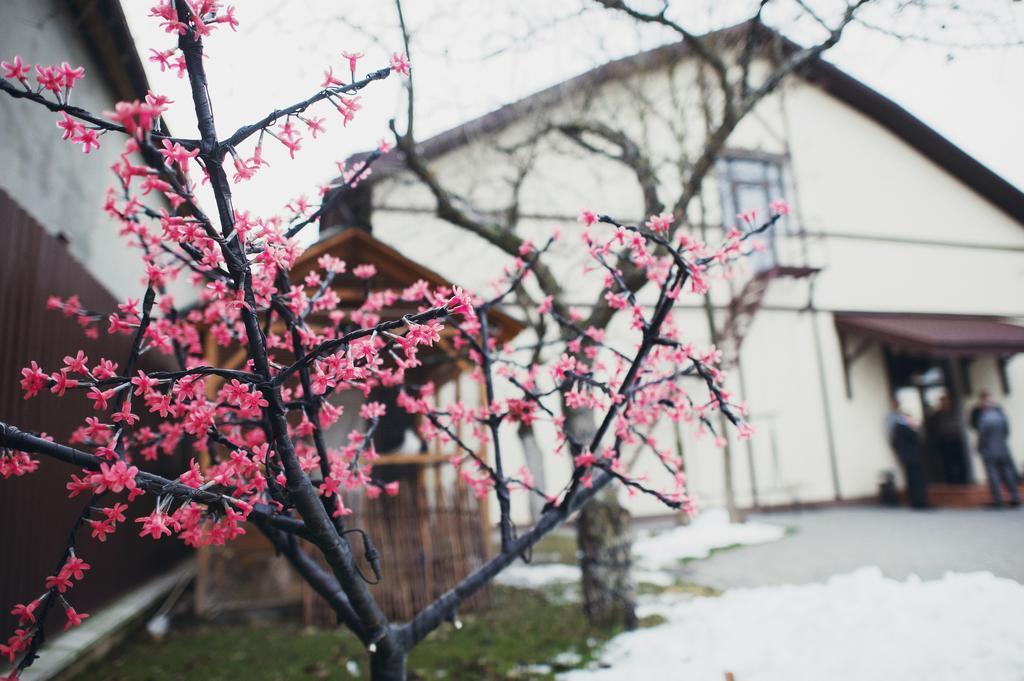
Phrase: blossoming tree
pixel 263 424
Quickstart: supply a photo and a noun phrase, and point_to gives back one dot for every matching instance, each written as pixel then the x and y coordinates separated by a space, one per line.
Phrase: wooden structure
pixel 434 531
pixel 959 496
pixel 33 266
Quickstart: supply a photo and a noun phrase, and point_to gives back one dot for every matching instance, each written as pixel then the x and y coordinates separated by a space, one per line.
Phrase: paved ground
pixel 900 542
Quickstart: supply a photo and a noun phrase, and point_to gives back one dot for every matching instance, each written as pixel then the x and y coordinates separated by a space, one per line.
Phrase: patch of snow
pixel 860 626
pixel 708 531
pixel 524 576
pixel 568 658
pixel 655 552
pixel 655 577
pixel 535 669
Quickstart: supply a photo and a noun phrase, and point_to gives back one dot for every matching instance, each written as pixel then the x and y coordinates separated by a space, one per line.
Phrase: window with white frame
pixel 752 182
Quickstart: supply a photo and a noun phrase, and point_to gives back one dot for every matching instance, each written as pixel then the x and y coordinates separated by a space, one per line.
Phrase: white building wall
pixel 62 188
pixel 890 230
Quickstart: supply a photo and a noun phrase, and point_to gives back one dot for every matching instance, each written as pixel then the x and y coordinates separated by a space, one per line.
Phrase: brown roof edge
pixel 105 31
pixel 920 136
pixel 344 242
pixel 937 334
pixel 830 78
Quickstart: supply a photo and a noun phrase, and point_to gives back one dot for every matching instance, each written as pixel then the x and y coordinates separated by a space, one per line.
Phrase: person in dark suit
pixel 946 439
pixel 905 440
pixel 993 428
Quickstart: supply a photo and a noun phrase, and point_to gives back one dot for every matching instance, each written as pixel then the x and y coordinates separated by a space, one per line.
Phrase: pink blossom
pixel 49 77
pixel 61 382
pixel 364 271
pixel 748 216
pixel 155 525
pixel 372 410
pixel 162 57
pixel 33 380
pixel 660 223
pixel 16 464
pixel 26 613
pixel 175 153
pixel 70 74
pixel 69 125
pixel 329 79
pixel 15 69
pixel 116 477
pixel 352 59
pixel 78 363
pixel 780 207
pixel 229 18
pixel 315 126
pixel 400 64
pixel 74 618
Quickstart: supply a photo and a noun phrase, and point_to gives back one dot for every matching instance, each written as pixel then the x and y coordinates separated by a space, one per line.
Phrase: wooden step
pixel 961 496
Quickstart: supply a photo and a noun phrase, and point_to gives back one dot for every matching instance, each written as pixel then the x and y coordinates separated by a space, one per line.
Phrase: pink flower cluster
pixel 205 15
pixel 56 79
pixel 71 570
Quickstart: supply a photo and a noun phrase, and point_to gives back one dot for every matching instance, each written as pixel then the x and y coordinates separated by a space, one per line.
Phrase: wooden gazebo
pixel 429 535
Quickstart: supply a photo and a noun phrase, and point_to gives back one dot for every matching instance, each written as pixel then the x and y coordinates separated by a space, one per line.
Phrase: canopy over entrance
pixel 936 335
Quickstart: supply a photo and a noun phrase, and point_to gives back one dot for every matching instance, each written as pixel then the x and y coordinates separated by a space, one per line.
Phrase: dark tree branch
pixel 318 523
pixel 11 437
pixel 82 114
pixel 246 131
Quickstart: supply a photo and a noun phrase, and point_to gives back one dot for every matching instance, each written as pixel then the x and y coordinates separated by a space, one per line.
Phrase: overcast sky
pixel 470 57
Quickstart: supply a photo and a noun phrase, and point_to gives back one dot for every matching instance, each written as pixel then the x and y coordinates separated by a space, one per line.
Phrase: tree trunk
pixel 535 463
pixel 730 493
pixel 384 668
pixel 605 543
pixel 604 537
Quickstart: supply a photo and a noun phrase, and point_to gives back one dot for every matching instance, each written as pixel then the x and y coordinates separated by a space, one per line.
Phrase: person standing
pixel 993 429
pixel 905 440
pixel 948 441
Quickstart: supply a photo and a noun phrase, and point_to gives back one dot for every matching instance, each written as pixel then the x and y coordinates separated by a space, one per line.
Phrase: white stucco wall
pixel 56 183
pixel 859 180
pixel 890 230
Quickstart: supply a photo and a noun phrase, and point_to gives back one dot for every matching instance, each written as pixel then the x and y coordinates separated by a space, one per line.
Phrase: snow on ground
pixel 524 576
pixel 860 626
pixel 657 551
pixel 708 531
pixel 559 574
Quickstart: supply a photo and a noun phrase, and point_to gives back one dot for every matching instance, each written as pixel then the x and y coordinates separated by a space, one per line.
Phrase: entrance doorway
pixel 930 390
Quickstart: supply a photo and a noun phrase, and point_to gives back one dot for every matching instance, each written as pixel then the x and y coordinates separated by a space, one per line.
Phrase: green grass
pixel 528 634
pixel 679 587
pixel 556 547
pixel 522 629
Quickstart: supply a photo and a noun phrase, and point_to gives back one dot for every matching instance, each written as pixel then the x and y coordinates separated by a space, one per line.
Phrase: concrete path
pixel 899 541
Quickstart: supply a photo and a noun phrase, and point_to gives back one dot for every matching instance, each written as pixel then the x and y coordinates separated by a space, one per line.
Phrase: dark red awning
pixel 944 335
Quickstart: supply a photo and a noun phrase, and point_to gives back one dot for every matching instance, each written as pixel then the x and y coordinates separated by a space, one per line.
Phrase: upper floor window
pixel 752 183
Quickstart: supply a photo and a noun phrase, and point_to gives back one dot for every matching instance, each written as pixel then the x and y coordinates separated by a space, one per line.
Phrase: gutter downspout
pixel 823 385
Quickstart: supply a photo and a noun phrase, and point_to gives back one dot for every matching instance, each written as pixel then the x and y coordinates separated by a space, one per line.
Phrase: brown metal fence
pixel 35 513
pixel 426 547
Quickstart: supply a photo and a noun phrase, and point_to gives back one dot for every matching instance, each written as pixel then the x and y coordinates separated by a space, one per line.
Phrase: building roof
pixel 106 35
pixel 394 271
pixel 831 79
pixel 936 335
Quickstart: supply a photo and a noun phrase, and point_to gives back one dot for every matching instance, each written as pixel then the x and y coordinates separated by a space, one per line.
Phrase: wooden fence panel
pixel 35 513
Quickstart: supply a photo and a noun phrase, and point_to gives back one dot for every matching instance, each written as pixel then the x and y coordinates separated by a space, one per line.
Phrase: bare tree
pixel 736 68
pixel 263 424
